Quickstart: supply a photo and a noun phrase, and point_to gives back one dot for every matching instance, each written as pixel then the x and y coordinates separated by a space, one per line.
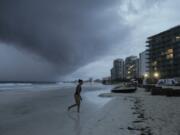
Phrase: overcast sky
pixel 44 40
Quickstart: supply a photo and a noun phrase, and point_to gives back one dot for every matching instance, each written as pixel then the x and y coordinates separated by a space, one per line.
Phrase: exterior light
pixel 146 75
pixel 156 75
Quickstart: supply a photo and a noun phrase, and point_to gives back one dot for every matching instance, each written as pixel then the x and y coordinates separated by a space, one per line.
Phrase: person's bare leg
pixel 78 105
pixel 77 100
pixel 78 108
pixel 71 106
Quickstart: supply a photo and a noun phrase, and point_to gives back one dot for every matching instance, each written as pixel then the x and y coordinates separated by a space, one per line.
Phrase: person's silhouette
pixel 77 96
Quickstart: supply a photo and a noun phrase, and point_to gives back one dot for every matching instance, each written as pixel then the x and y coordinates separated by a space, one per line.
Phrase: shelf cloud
pixel 67 34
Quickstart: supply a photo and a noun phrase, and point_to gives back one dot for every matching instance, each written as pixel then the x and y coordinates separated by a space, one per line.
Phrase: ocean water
pixel 32 86
pixel 35 86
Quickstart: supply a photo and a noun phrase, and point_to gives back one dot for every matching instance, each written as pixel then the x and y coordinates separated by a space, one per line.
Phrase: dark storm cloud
pixel 66 33
pixel 69 34
pixel 16 65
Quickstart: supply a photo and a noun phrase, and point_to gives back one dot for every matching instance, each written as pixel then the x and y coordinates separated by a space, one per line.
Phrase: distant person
pixel 77 96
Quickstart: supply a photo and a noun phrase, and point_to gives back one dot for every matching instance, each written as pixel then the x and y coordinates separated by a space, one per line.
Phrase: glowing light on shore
pixel 156 75
pixel 146 75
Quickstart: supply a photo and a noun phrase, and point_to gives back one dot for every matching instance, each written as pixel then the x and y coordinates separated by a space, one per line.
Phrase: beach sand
pixel 43 111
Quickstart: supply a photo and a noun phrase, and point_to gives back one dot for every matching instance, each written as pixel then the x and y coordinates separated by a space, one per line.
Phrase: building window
pixel 169 54
pixel 162 53
pixel 154 63
pixel 177 38
pixel 169 51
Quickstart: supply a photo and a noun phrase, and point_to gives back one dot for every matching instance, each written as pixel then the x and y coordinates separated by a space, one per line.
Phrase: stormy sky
pixel 47 40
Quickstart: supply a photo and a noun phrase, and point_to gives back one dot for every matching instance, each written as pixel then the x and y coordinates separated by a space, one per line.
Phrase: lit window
pixel 170 51
pixel 169 56
pixel 178 37
pixel 154 63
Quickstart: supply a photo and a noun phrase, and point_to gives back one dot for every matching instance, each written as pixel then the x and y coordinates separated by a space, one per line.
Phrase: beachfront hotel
pixel 117 72
pixel 131 67
pixel 164 54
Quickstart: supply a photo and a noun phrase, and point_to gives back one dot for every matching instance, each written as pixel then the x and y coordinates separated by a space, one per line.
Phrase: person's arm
pixel 80 97
pixel 79 92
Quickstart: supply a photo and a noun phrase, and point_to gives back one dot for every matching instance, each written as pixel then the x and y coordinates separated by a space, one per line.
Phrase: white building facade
pixel 143 64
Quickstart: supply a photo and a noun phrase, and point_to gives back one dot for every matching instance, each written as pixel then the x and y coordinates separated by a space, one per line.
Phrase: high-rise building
pixel 164 53
pixel 117 72
pixel 143 64
pixel 131 67
pixel 137 68
pixel 113 74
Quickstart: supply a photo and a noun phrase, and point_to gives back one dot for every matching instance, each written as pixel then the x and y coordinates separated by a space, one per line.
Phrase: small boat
pixel 123 89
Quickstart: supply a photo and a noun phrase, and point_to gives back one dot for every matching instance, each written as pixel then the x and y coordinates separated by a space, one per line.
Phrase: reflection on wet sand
pixel 94 98
pixel 75 117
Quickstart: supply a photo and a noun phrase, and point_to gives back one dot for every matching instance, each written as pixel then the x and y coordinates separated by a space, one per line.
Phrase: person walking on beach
pixel 77 96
